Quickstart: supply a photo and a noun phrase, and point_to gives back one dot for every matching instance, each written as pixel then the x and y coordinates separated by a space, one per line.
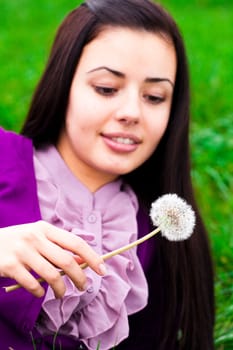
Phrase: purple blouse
pixel 105 219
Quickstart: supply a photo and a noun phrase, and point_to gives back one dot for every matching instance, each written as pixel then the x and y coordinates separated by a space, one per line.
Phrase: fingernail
pixel 83 287
pixel 102 269
pixel 86 285
pixel 58 295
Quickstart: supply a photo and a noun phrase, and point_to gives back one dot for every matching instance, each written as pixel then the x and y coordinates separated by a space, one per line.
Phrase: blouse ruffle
pixel 105 219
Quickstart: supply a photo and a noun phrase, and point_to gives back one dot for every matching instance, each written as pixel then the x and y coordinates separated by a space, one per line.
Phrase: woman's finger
pixel 76 245
pixel 63 260
pixel 27 281
pixel 47 271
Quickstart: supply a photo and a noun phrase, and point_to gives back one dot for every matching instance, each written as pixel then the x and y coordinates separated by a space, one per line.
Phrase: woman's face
pixel 119 104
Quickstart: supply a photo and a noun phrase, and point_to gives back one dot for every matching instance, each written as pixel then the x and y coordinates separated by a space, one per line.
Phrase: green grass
pixel 26 33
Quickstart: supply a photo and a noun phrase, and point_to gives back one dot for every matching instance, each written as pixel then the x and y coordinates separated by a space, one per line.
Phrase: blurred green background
pixel 27 28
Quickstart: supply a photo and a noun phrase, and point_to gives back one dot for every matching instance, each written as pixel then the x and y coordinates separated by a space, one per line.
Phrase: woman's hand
pixel 44 248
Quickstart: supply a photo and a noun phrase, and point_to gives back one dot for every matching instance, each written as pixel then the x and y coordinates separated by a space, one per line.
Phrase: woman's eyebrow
pixel 122 75
pixel 112 71
pixel 158 80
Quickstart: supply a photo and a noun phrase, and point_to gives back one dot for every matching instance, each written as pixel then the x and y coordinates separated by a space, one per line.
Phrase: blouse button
pixel 90 290
pixel 91 218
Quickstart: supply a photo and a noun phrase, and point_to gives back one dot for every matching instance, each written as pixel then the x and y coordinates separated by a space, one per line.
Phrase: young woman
pixel 106 134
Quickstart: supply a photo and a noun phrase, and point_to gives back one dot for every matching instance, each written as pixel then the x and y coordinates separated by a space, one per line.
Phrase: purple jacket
pixel 19 310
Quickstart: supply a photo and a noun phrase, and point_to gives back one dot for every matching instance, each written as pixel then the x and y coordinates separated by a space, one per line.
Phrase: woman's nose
pixel 129 109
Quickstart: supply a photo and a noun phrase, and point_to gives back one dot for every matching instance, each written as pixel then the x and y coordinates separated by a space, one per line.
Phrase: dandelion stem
pixel 104 257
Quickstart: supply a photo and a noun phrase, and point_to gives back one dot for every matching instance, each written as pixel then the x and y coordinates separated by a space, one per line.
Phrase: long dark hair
pixel 184 288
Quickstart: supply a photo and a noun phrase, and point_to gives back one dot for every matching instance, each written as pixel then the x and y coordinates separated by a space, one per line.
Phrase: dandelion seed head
pixel 174 216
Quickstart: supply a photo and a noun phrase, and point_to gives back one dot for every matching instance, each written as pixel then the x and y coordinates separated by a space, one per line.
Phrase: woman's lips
pixel 124 140
pixel 121 142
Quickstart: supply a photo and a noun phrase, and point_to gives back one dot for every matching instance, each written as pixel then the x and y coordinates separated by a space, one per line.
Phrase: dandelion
pixel 173 216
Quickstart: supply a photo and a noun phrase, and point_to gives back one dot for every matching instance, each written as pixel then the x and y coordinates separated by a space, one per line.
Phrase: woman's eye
pixel 153 99
pixel 105 91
